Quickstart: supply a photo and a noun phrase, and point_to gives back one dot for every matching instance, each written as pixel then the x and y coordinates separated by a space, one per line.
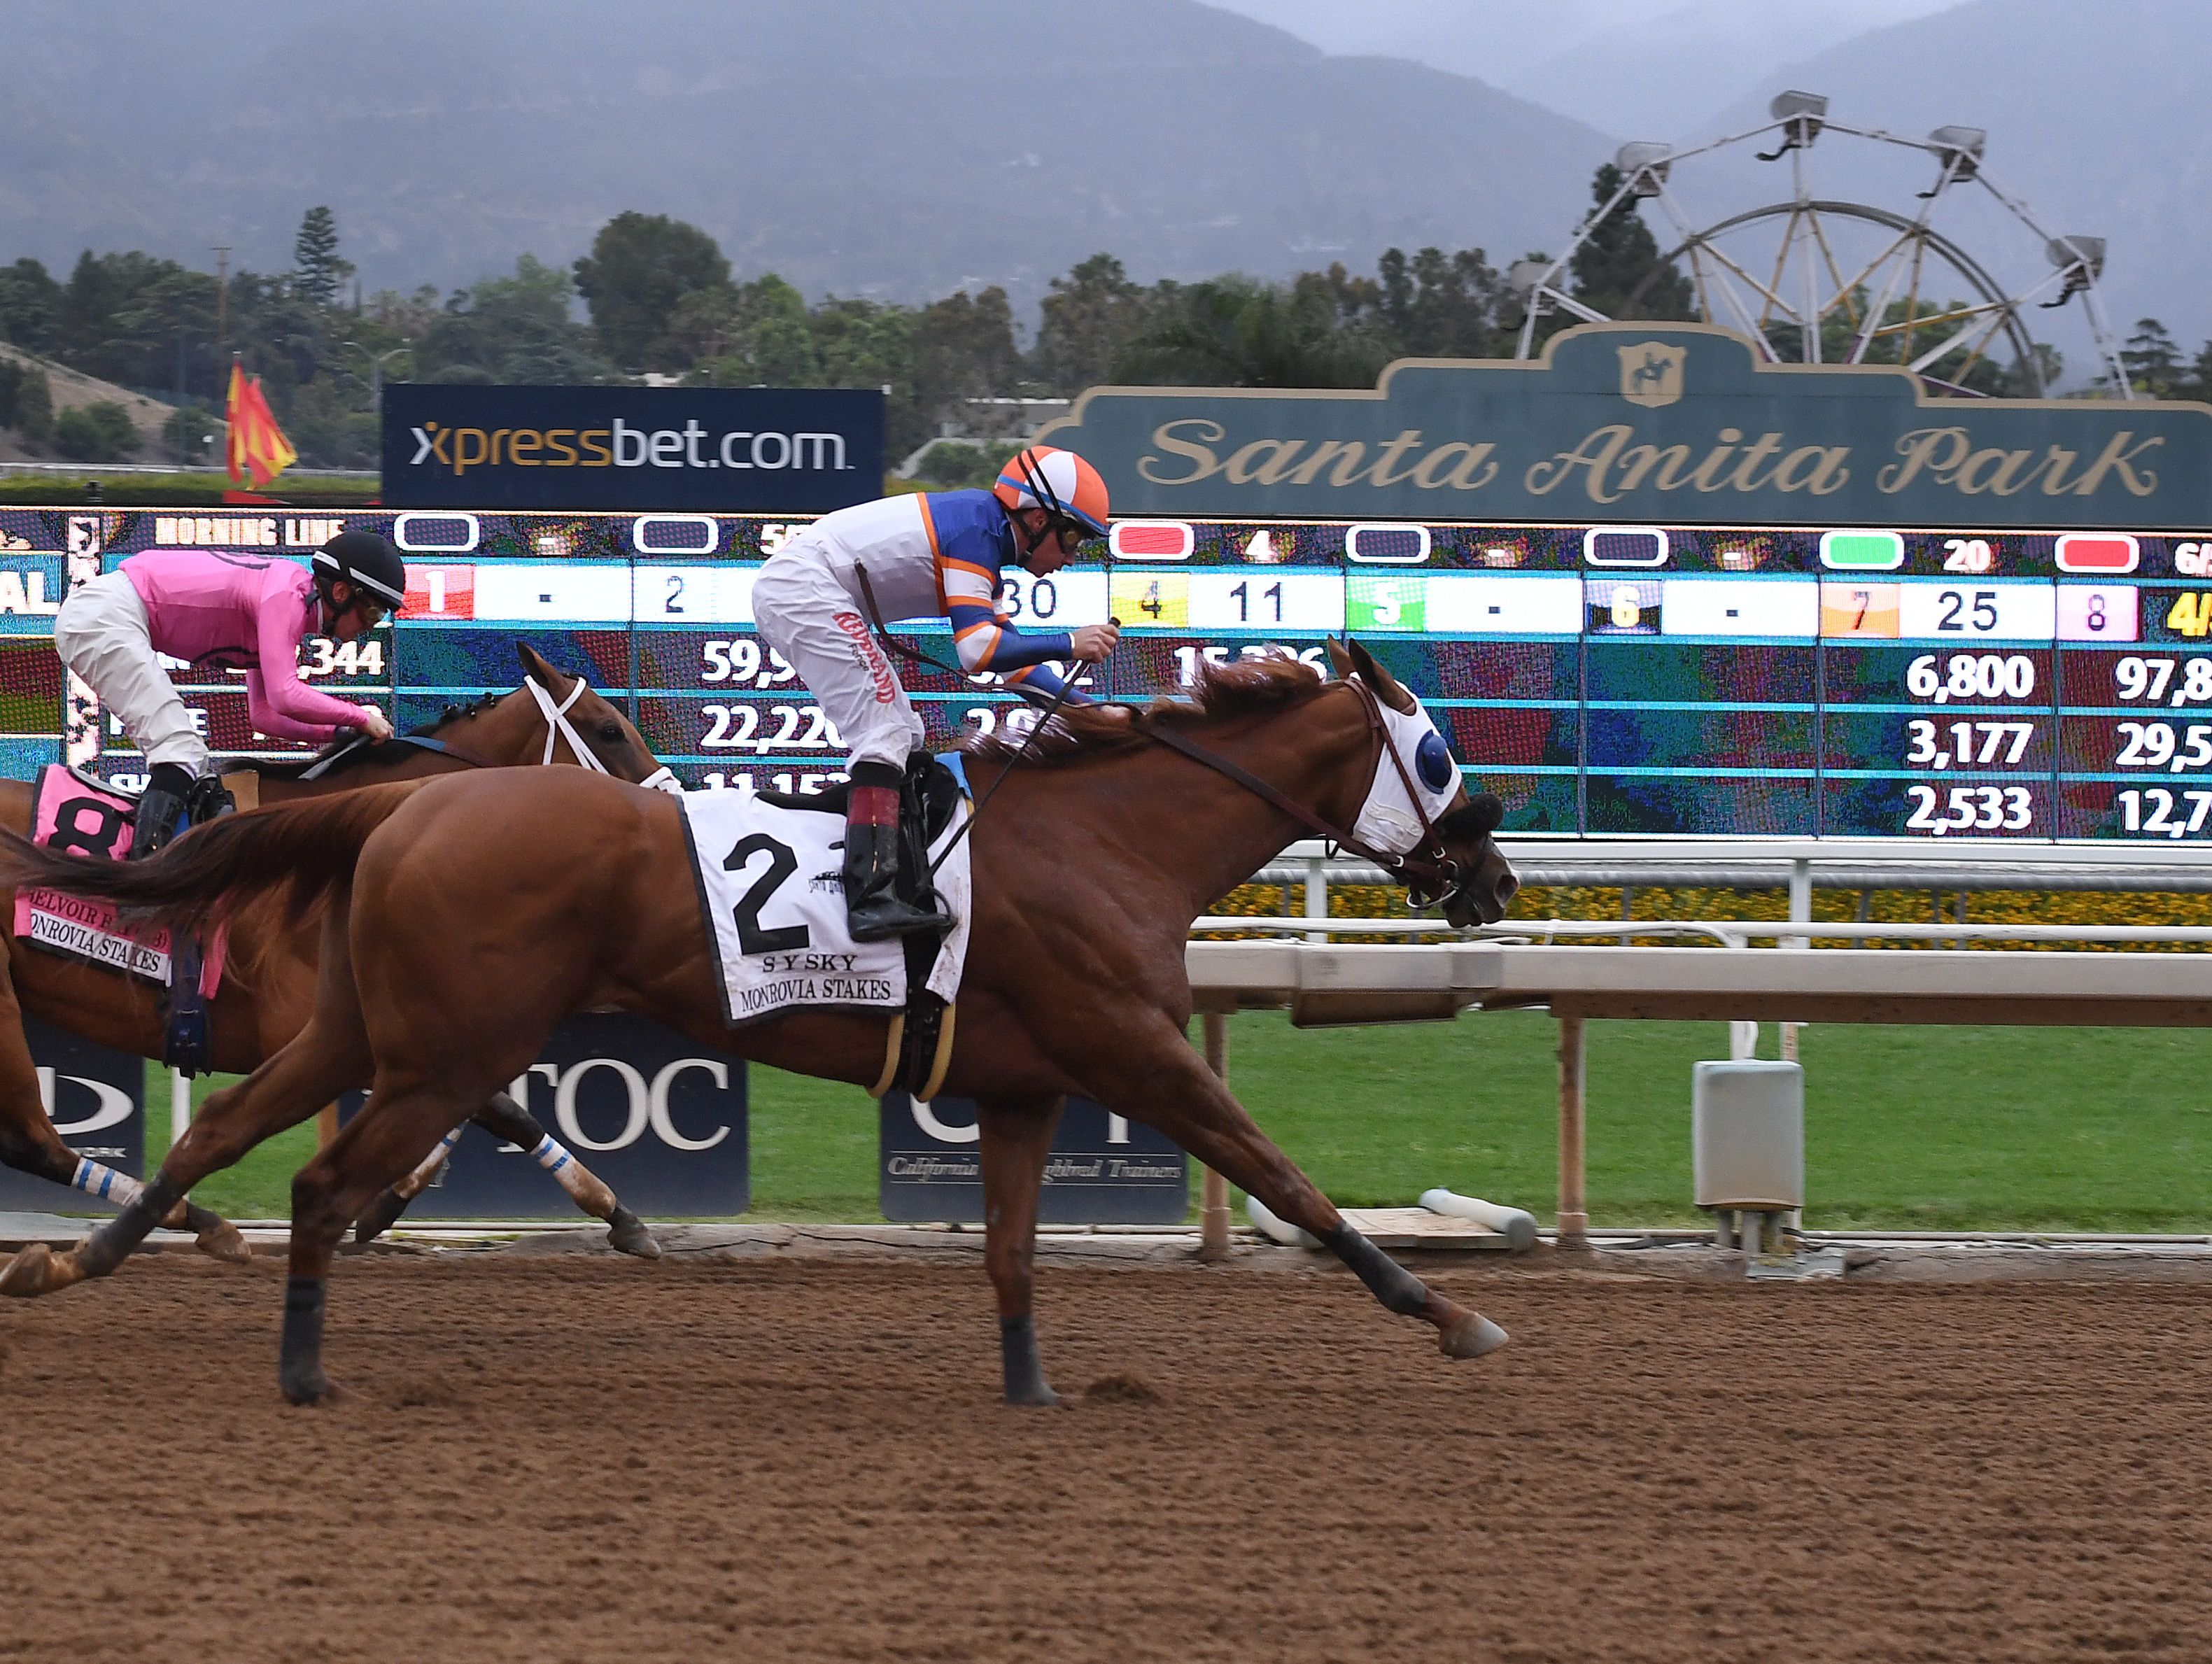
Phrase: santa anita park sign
pixel 1674 423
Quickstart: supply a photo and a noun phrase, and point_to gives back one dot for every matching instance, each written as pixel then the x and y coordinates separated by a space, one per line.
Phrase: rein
pixel 557 728
pixel 1429 874
pixel 917 656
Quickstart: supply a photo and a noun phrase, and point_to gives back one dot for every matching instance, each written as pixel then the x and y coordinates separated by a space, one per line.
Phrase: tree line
pixel 658 298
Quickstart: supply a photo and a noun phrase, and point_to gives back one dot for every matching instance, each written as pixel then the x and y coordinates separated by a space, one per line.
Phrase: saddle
pixel 920 1043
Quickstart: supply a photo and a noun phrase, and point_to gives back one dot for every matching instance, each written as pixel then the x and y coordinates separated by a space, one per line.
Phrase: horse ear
pixel 1386 687
pixel 537 670
pixel 1340 661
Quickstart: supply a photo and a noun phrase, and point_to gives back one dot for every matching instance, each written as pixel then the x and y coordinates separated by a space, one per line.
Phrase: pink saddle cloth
pixel 71 811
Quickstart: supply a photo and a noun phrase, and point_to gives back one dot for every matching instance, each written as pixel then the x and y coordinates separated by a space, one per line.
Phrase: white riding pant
pixel 803 611
pixel 102 634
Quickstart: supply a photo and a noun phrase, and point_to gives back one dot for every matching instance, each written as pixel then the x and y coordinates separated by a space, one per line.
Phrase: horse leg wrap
pixel 299 1366
pixel 585 1187
pixel 104 1182
pixel 1398 1288
pixel 1018 1357
pixel 110 1245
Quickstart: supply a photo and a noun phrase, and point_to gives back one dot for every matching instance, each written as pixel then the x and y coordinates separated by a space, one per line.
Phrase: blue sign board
pixel 661 1118
pixel 96 1098
pixel 1103 1169
pixel 714 450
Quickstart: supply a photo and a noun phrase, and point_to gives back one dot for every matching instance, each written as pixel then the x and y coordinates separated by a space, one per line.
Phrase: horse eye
pixel 611 733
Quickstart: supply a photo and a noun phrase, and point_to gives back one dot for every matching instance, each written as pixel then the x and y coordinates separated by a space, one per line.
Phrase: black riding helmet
pixel 366 561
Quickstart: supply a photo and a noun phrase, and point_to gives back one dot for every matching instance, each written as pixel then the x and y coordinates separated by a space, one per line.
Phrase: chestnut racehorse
pixel 269 987
pixel 484 908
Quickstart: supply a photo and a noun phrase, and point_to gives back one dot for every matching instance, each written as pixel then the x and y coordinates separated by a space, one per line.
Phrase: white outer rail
pixel 1324 983
pixel 1541 851
pixel 1732 933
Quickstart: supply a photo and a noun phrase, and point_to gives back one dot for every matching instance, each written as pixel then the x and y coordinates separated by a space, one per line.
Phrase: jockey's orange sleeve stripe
pixel 991 634
pixel 988 577
pixel 936 555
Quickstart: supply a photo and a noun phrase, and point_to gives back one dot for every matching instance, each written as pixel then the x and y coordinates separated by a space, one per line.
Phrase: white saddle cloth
pixel 775 910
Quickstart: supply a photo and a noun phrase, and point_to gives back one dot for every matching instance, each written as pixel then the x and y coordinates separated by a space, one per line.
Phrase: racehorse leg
pixel 379 1145
pixel 1151 1074
pixel 1016 1136
pixel 505 1119
pixel 328 1057
pixel 29 1145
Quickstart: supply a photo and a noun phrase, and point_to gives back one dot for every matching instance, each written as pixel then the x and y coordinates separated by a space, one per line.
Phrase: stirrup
pixel 895 918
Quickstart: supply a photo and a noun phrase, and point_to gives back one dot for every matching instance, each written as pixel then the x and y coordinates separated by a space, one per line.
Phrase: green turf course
pixel 2079 1129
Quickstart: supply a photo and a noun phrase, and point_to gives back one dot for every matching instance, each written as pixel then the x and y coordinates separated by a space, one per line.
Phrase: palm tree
pixel 1236 332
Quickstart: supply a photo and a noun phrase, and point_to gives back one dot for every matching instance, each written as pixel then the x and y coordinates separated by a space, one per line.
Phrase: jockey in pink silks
pixel 221 609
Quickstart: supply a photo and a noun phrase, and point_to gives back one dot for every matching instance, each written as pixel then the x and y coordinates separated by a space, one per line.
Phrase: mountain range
pixel 890 150
pixel 871 147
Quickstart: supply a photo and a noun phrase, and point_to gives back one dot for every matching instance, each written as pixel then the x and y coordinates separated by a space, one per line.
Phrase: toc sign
pixel 661 1120
pixel 1103 1169
pixel 724 450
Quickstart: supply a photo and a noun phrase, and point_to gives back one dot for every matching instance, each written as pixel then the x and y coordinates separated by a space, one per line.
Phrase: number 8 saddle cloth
pixel 768 864
pixel 74 812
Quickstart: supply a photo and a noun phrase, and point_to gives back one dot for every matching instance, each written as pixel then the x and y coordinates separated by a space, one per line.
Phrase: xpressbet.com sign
pixel 726 450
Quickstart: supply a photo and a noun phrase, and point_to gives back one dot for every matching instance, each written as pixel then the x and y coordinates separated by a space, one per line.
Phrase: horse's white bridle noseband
pixel 558 728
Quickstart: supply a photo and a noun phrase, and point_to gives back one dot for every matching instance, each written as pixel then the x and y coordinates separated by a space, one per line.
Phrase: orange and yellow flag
pixel 258 450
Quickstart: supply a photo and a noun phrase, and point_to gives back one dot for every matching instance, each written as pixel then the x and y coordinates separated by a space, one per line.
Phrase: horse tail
pixel 309 845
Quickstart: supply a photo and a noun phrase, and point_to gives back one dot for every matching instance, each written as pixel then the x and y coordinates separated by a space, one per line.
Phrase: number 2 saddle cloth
pixel 74 812
pixel 769 867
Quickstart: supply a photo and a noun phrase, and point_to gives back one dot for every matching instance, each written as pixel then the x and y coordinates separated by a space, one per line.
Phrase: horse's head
pixel 554 717
pixel 1461 869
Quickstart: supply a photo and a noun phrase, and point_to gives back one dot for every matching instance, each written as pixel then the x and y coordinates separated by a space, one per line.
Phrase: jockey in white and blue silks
pixel 934 555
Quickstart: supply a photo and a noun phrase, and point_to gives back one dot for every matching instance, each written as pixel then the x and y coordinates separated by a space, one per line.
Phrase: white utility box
pixel 1748 1135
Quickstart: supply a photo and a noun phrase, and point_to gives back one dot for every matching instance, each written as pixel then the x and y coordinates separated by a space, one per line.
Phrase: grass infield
pixel 2071 1129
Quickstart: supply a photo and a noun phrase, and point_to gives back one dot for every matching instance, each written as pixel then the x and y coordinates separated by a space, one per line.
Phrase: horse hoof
pixel 1471 1337
pixel 627 1234
pixel 309 1388
pixel 223 1241
pixel 1039 1397
pixel 36 1270
pixel 26 1275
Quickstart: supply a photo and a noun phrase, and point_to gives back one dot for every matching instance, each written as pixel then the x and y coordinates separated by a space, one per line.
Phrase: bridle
pixel 1431 876
pixel 558 728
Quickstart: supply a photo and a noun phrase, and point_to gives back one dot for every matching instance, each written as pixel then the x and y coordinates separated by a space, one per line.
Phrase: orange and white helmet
pixel 1059 482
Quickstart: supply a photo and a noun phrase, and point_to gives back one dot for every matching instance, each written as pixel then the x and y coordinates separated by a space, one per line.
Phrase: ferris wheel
pixel 1814 280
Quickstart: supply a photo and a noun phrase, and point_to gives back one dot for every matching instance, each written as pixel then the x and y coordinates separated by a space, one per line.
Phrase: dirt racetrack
pixel 593 1459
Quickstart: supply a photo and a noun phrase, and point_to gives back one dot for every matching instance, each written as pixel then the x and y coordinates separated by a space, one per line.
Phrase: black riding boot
pixel 208 800
pixel 168 789
pixel 871 853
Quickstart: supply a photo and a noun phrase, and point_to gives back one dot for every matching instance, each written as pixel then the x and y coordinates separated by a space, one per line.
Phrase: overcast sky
pixel 1617 65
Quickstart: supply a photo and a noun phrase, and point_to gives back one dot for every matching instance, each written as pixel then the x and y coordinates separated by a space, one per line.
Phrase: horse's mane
pixel 350 754
pixel 1242 689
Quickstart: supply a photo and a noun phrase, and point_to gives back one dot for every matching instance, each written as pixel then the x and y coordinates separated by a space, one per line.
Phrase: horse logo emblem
pixel 1652 373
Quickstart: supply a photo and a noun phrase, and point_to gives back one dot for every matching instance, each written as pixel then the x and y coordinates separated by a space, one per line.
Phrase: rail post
pixel 1574 1214
pixel 1213 1189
